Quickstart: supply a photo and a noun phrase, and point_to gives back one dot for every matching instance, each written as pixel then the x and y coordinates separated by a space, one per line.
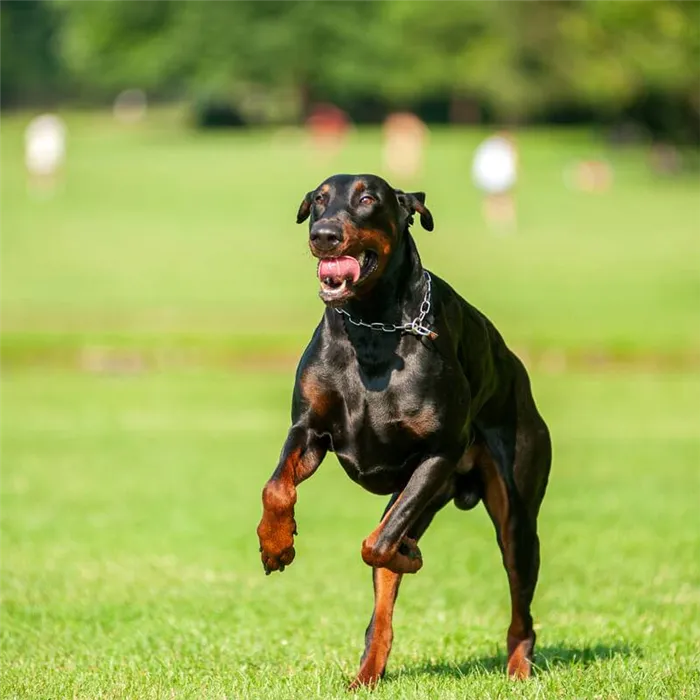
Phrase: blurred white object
pixel 130 106
pixel 45 145
pixel 495 171
pixel 495 165
pixel 404 141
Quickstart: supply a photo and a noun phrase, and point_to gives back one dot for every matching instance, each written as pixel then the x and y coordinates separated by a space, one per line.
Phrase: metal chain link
pixel 414 327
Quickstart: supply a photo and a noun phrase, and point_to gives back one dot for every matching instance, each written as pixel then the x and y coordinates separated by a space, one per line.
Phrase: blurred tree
pixel 30 68
pixel 618 50
pixel 112 45
pixel 498 53
pixel 218 49
pixel 522 58
pixel 518 60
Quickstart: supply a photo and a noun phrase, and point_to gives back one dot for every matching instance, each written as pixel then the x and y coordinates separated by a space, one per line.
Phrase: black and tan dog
pixel 419 397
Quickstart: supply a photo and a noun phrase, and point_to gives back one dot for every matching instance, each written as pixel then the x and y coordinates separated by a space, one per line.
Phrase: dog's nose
pixel 325 238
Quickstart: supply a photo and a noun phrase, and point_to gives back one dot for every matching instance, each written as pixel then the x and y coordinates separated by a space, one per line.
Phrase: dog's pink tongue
pixel 338 269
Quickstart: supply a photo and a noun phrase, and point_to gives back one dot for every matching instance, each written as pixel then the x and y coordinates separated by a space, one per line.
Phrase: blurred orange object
pixel 404 144
pixel 328 127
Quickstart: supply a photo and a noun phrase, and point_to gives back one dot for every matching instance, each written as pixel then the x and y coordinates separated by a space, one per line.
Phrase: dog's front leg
pixel 301 456
pixel 390 545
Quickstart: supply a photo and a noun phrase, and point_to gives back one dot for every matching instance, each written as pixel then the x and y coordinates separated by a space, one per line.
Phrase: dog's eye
pixel 366 199
pixel 319 199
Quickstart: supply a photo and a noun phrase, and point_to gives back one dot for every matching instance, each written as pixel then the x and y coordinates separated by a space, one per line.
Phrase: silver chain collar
pixel 414 327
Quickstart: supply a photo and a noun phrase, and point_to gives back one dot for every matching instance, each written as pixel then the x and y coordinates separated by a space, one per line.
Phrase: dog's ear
pixel 413 202
pixel 304 208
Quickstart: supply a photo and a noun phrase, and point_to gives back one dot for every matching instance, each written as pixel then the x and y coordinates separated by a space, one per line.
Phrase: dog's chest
pixel 397 412
pixel 381 431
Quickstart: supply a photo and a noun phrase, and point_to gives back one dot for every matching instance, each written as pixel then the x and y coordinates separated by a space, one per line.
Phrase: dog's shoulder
pixel 481 351
pixel 323 361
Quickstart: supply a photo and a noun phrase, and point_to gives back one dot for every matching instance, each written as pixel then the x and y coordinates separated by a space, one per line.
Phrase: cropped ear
pixel 413 202
pixel 304 208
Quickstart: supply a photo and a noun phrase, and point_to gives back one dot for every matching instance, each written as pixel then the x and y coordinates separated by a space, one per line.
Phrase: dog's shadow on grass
pixel 547 658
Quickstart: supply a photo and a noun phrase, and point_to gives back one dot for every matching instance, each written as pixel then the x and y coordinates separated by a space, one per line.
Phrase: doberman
pixel 418 396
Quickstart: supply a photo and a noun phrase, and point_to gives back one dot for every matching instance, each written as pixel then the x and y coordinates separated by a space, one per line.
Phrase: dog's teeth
pixel 361 258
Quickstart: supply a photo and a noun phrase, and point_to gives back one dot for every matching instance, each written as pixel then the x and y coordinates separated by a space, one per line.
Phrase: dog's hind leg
pixel 513 505
pixel 517 538
pixel 379 634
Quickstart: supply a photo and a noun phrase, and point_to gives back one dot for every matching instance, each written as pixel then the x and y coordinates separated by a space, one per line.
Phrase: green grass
pixel 161 235
pixel 130 566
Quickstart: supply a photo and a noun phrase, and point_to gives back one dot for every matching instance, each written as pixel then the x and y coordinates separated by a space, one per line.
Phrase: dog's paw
pixel 520 653
pixel 364 680
pixel 276 535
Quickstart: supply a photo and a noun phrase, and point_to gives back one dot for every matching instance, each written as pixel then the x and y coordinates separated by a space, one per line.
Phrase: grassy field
pixel 130 564
pixel 152 314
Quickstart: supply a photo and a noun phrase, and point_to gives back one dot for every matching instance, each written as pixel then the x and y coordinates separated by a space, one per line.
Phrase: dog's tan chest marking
pixel 423 422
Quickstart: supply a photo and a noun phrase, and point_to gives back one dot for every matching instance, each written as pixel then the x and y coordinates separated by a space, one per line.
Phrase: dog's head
pixel 356 225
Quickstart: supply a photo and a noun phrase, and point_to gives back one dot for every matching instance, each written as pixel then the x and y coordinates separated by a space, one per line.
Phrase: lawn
pixel 153 311
pixel 130 566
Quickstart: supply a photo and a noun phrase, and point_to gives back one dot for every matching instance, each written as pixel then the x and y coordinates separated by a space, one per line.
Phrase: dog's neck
pixel 394 300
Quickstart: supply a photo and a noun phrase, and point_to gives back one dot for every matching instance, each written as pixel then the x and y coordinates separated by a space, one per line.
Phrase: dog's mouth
pixel 340 276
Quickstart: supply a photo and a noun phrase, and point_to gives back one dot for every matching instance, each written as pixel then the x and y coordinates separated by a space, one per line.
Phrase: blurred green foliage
pixel 518 61
pixel 31 68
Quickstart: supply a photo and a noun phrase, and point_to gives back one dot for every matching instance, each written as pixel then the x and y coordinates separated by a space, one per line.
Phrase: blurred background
pixel 157 294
